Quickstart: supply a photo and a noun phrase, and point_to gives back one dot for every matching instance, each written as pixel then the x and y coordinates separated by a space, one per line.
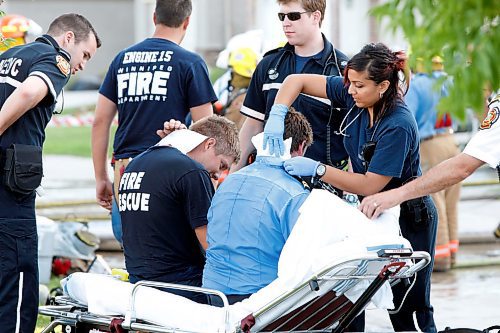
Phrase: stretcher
pixel 322 302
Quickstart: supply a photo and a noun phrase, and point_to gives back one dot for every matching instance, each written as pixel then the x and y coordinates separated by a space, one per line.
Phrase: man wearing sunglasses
pixel 307 51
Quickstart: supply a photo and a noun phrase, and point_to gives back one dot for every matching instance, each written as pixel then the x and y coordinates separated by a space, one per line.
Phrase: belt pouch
pixel 416 213
pixel 23 170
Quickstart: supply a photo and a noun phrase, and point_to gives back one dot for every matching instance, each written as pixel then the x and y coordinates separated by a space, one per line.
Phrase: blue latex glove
pixel 274 129
pixel 301 166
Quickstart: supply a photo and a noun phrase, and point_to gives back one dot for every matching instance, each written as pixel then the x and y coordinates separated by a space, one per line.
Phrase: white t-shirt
pixel 485 145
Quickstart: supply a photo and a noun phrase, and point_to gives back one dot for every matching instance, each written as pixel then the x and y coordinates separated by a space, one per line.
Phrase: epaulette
pixel 273 51
pixel 495 99
pixel 342 59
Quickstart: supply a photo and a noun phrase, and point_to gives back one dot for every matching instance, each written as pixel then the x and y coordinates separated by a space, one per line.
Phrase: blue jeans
pixel 116 222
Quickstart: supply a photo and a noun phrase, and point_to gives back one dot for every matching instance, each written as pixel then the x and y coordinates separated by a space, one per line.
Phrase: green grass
pixel 76 140
pixel 215 73
pixel 44 321
pixel 70 141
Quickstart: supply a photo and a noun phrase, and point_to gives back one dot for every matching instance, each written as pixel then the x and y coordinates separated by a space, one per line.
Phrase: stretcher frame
pixel 396 267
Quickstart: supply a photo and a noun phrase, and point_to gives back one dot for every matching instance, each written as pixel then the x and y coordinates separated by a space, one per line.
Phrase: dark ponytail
pixel 380 64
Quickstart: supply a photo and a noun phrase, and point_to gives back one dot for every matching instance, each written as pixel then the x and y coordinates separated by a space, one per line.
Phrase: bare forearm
pixel 104 114
pixel 201 234
pixel 310 84
pixel 436 179
pixel 100 138
pixel 443 175
pixel 363 184
pixel 201 111
pixel 289 90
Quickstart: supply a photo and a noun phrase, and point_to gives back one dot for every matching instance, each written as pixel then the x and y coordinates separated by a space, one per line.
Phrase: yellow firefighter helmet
pixel 18 30
pixel 243 61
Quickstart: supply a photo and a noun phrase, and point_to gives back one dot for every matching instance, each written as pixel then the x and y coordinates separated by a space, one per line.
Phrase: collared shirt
pixel 45 60
pixel 485 144
pixel 264 87
pixel 422 99
pixel 249 220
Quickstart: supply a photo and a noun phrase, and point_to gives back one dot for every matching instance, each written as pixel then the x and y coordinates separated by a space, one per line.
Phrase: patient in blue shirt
pixel 251 217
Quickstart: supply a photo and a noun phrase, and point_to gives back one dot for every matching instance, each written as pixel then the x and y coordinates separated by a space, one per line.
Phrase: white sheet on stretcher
pixel 328 231
pixel 329 228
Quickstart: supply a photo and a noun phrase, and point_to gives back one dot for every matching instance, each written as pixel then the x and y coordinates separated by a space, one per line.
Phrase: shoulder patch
pixel 63 65
pixel 493 114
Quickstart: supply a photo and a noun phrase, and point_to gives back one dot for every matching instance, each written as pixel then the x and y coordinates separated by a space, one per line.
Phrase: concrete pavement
pixel 69 178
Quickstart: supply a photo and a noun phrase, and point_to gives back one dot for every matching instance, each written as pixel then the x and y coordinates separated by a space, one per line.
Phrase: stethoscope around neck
pixel 342 129
pixel 273 73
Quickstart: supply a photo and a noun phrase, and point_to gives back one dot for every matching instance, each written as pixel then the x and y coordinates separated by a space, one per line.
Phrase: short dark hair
pixel 298 128
pixel 172 12
pixel 380 64
pixel 309 5
pixel 224 131
pixel 80 26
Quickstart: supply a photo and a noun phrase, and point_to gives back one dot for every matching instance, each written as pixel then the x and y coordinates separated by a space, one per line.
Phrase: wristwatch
pixel 320 170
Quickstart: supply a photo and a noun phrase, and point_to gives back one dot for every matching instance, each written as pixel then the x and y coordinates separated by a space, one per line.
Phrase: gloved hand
pixel 301 166
pixel 274 129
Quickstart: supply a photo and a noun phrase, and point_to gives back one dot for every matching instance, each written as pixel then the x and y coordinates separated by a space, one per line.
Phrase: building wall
pixel 112 19
pixel 121 23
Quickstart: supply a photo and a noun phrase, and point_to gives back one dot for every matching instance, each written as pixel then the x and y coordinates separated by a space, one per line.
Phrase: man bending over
pixel 164 196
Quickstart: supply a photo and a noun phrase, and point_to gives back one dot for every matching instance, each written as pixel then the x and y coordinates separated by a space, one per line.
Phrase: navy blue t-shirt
pixel 163 196
pixel 396 135
pixel 151 82
pixel 44 59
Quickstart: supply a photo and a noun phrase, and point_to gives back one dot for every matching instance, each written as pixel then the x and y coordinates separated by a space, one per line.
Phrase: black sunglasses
pixel 367 151
pixel 292 16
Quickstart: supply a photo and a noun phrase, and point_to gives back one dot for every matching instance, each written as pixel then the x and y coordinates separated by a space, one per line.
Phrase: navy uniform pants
pixel 18 262
pixel 419 225
pixel 420 228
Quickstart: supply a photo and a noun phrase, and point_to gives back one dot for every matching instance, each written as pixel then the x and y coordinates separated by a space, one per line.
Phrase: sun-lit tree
pixel 3 40
pixel 465 33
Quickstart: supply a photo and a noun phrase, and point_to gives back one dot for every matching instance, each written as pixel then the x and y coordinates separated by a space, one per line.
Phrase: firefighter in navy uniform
pixel 31 77
pixel 323 63
pixel 147 84
pixel 307 51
